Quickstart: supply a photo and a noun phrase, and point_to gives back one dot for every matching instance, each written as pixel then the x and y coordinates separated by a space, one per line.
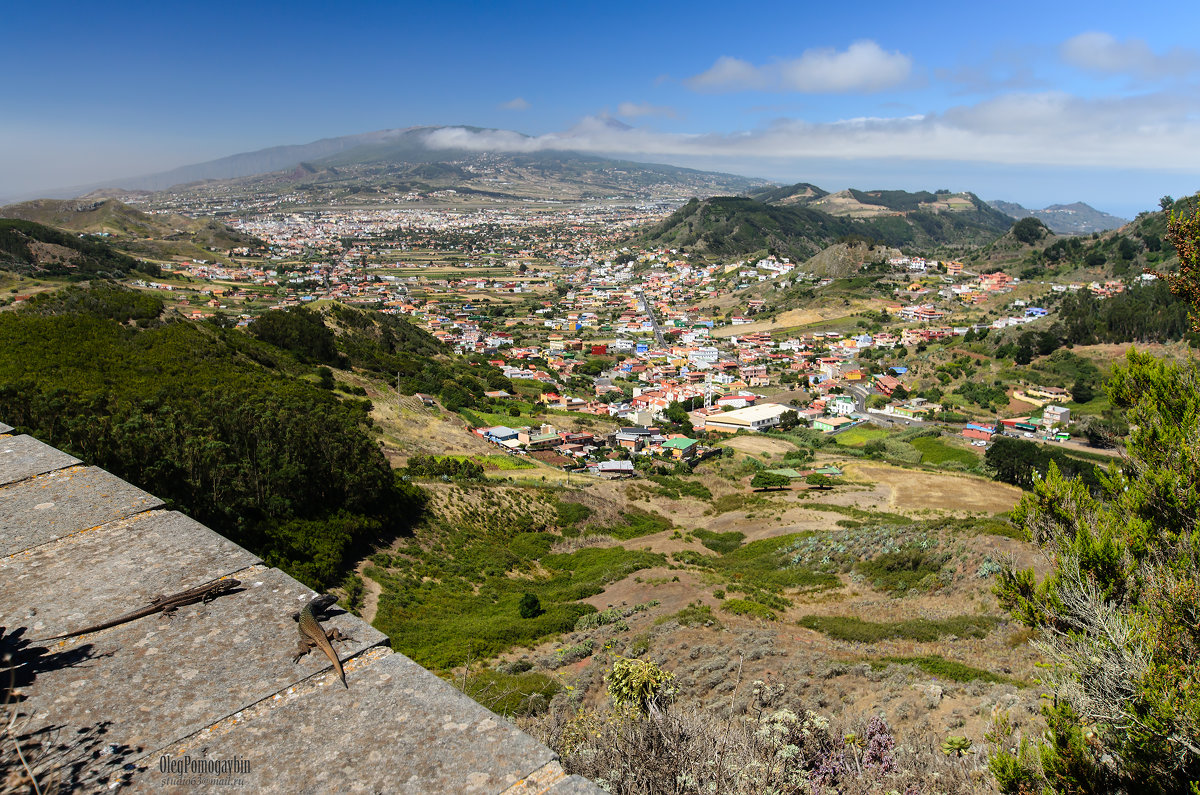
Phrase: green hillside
pixel 246 432
pixel 800 193
pixel 1031 251
pixel 33 249
pixel 159 236
pixel 738 226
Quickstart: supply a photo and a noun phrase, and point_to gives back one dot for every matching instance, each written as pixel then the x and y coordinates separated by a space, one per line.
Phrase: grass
pixel 902 570
pixel 696 614
pixel 736 502
pixel 1096 406
pixel 936 452
pixel 512 694
pixel 635 524
pixel 673 488
pixel 484 419
pixel 764 565
pixel 720 542
pixel 860 435
pixel 503 462
pixel 451 595
pixel 571 514
pixel 857 630
pixel 944 669
pixel 860 514
pixel 994 527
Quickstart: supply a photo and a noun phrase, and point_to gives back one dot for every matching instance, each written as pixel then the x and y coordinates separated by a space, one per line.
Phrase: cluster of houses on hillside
pixel 1051 422
pixel 606 454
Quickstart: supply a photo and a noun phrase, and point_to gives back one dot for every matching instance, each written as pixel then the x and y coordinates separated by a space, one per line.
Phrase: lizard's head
pixel 323 602
pixel 224 586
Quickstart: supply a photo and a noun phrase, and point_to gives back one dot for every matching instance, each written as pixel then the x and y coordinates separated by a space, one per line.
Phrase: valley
pixel 771 449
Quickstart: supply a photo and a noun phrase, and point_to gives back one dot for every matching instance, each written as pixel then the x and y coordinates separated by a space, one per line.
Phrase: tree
pixel 1116 616
pixel 1029 230
pixel 530 606
pixel 769 480
pixel 1099 434
pixel 298 330
pixel 454 397
pixel 1183 229
pixel 678 415
pixel 788 420
pixel 822 482
pixel 1081 391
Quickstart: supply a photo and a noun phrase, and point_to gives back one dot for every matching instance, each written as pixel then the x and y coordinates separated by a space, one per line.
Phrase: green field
pixel 485 419
pixel 860 435
pixel 935 451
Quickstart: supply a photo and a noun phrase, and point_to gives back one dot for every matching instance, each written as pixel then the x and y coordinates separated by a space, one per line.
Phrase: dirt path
pixel 371 593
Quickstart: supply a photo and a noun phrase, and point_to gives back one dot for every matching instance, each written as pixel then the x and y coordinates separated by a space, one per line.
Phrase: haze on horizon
pixel 1027 103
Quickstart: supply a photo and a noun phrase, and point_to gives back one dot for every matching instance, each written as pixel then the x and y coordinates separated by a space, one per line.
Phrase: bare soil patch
pixel 792 317
pixel 757 445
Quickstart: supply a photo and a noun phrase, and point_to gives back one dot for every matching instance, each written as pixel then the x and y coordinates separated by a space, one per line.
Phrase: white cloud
pixel 1095 51
pixel 631 110
pixel 1152 131
pixel 516 103
pixel 731 74
pixel 864 67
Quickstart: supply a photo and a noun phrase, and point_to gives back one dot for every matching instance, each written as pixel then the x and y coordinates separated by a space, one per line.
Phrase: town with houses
pixel 552 292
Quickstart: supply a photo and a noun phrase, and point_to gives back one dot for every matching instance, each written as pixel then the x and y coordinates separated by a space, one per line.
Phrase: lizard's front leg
pixel 303 647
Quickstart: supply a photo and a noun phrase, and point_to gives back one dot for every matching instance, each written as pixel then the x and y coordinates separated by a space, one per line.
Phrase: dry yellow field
pixel 911 490
pixel 792 317
pixel 757 445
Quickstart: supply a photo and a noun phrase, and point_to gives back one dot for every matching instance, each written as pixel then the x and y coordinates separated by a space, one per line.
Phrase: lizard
pixel 313 635
pixel 159 604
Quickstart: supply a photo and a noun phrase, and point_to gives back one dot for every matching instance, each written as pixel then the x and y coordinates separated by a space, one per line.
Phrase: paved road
pixel 658 335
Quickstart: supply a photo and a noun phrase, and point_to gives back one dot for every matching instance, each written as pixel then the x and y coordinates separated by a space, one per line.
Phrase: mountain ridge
pixel 724 226
pixel 363 163
pixel 1077 218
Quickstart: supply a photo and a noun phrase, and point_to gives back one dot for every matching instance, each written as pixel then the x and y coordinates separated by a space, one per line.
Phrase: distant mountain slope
pixel 1121 253
pixel 800 193
pixel 113 217
pixel 160 236
pixel 34 249
pixel 737 226
pixel 1064 219
pixel 261 161
pixel 390 164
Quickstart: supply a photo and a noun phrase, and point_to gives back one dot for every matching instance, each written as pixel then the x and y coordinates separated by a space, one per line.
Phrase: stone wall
pixel 209 699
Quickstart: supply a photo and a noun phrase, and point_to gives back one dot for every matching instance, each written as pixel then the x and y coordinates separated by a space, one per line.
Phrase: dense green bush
pixel 720 542
pixel 924 630
pixel 744 607
pixel 429 466
pixel 897 572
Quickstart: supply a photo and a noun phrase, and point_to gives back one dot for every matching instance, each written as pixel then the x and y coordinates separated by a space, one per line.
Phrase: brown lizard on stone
pixel 313 635
pixel 159 604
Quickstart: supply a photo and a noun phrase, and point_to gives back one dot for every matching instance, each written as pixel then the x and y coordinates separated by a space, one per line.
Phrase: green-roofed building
pixel 681 448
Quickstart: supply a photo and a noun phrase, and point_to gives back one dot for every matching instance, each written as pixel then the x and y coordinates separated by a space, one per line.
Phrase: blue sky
pixel 1043 103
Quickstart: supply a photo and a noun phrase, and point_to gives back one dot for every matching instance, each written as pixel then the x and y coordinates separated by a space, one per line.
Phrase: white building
pixel 751 418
